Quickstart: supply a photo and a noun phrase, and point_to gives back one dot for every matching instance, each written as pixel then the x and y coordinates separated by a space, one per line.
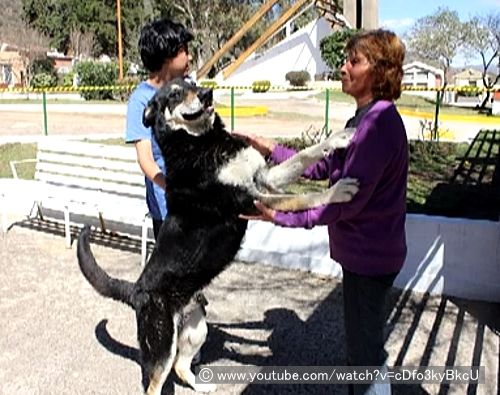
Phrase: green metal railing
pixel 44 91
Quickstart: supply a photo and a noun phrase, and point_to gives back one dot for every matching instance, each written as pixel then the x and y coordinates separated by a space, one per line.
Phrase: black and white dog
pixel 213 177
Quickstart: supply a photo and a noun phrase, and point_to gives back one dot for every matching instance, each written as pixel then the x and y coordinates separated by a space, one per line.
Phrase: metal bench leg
pixel 67 230
pixel 40 212
pixel 144 241
pixel 103 224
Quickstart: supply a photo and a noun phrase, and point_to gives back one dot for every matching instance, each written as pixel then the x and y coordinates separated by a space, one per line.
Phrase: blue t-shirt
pixel 135 130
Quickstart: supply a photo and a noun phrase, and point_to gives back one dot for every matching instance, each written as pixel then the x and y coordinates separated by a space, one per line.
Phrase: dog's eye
pixel 177 95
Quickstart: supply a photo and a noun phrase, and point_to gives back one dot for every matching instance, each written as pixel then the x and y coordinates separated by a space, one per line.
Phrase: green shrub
pixel 128 83
pixel 298 78
pixel 92 73
pixel 67 79
pixel 43 80
pixel 332 49
pixel 261 86
pixel 468 91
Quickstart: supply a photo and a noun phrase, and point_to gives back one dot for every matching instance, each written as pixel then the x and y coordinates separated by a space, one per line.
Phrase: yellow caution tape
pixel 229 87
pixel 53 89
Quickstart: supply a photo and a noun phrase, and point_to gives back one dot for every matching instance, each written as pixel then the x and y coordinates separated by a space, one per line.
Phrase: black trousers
pixel 364 320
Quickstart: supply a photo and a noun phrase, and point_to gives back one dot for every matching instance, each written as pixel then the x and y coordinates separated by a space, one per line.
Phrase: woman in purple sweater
pixel 367 235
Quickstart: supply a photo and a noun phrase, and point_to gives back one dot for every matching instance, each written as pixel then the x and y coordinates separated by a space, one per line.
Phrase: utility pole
pixel 120 49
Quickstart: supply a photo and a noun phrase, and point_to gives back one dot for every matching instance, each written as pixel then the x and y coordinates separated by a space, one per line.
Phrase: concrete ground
pixel 59 337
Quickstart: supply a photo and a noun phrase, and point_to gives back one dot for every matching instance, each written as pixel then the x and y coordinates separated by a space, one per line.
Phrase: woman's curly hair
pixel 386 53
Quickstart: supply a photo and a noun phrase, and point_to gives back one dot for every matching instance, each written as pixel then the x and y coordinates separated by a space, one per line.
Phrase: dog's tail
pixel 107 286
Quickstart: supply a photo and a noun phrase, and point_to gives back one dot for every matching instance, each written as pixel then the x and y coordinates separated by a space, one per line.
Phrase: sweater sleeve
pixel 366 160
pixel 317 171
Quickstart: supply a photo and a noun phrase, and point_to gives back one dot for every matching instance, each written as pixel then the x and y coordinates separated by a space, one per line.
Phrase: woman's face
pixel 357 77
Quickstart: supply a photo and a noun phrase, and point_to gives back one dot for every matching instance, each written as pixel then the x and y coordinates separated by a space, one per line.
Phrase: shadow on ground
pixel 266 316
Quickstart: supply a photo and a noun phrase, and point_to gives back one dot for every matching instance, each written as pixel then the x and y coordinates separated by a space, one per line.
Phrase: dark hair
pixel 386 53
pixel 161 40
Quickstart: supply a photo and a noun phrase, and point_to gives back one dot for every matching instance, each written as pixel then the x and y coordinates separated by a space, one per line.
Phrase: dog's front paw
pixel 205 388
pixel 340 139
pixel 345 189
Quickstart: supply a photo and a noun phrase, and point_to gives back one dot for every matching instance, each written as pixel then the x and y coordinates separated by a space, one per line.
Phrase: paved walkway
pixel 59 337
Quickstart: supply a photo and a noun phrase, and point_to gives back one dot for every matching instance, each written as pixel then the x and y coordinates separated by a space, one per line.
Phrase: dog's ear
pixel 150 113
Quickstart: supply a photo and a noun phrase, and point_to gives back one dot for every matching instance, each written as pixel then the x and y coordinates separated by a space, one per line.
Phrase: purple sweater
pixel 367 235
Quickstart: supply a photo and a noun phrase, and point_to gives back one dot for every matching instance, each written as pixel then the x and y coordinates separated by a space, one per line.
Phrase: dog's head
pixel 182 106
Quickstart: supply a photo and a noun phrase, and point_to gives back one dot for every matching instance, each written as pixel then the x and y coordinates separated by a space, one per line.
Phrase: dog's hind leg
pixel 191 338
pixel 291 169
pixel 158 341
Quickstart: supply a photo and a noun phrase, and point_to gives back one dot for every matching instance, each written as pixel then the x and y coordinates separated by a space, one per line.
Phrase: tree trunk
pixel 485 100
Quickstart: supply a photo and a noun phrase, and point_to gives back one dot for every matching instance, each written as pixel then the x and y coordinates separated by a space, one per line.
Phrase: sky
pixel 400 15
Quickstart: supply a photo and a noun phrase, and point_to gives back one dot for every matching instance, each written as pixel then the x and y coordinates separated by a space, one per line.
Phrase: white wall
pixel 419 77
pixel 456 257
pixel 299 51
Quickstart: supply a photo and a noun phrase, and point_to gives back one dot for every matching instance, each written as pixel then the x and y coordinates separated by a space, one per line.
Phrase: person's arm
pixel 373 150
pixel 263 145
pixel 140 136
pixel 279 153
pixel 148 164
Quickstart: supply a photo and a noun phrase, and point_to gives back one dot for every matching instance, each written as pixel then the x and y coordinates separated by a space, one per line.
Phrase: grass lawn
pixel 17 151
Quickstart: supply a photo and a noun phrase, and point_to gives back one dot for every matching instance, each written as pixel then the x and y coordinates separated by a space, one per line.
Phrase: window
pixel 6 74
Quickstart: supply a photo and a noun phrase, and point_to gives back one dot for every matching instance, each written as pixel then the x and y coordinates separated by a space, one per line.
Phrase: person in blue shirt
pixel 163 47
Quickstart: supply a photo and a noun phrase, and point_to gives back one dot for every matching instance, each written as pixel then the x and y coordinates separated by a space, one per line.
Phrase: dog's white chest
pixel 240 170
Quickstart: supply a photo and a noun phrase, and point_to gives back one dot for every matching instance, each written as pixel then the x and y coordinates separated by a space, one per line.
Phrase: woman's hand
pixel 266 214
pixel 261 144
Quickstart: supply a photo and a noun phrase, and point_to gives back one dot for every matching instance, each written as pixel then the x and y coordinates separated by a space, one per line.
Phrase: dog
pixel 212 178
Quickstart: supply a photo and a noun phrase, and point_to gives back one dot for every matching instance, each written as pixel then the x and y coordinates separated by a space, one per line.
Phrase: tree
pixel 437 38
pixel 60 19
pixel 81 44
pixel 332 49
pixel 483 37
pixel 30 44
pixel 213 23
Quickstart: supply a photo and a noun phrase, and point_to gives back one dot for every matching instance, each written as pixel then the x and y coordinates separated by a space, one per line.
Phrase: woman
pixel 367 235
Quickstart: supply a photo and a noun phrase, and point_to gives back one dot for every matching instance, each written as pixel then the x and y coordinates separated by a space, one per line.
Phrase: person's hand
pixel 266 213
pixel 261 144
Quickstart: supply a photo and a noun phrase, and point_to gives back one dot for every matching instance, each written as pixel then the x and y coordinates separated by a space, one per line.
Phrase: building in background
pixel 63 64
pixel 13 63
pixel 469 77
pixel 421 75
pixel 362 13
pixel 300 50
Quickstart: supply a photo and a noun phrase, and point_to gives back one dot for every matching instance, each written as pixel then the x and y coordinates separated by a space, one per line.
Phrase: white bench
pixel 91 180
